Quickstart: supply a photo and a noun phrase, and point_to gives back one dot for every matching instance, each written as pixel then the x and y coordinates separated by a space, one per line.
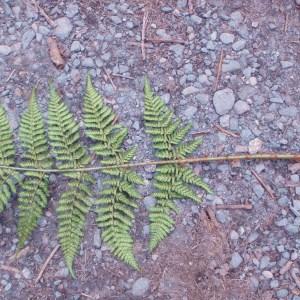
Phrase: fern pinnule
pixel 8 178
pixel 115 207
pixel 34 188
pixel 75 202
pixel 171 181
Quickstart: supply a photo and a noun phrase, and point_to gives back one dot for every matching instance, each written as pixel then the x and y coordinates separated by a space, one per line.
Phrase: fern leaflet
pixel 75 202
pixel 115 207
pixel 171 181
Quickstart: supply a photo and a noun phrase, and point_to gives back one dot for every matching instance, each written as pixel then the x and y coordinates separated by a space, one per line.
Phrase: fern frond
pixel 171 181
pixel 115 208
pixel 8 178
pixel 34 188
pixel 75 202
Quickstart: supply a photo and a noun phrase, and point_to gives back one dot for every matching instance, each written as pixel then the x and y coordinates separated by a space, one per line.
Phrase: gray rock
pixel 223 216
pixel 26 273
pixel 227 38
pixel 44 30
pixel 297 297
pixel 291 111
pixel 181 4
pixel 253 237
pixel 274 284
pixel 196 19
pixel 282 222
pixel 202 98
pixel 62 272
pixel 286 64
pixel 72 10
pixel 97 238
pixel 190 90
pixel 236 260
pixel 63 27
pixel 225 121
pixel 297 2
pixel 264 262
pixel 162 33
pixel 246 92
pixel 140 287
pixel 223 101
pixel 149 202
pixel 106 56
pixel 190 111
pixel 282 293
pixel 88 62
pixel 231 66
pixel 76 47
pixel 267 274
pixel 283 201
pixel 240 107
pixel 116 19
pixel 27 37
pixel 239 45
pixel 5 50
pixel 258 190
pixel 292 228
pixel 177 49
pixel 277 99
pixel 234 235
pixel 254 283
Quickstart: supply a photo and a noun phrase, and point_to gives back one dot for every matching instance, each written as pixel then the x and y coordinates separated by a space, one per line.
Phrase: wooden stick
pixel 219 70
pixel 197 133
pixel 87 296
pixel 44 14
pixel 170 41
pixel 264 185
pixel 286 19
pixel 203 159
pixel 225 131
pixel 122 76
pixel 46 263
pixel 191 6
pixel 10 269
pixel 246 206
pixel 10 75
pixel 145 21
pixel 110 79
pixel 19 254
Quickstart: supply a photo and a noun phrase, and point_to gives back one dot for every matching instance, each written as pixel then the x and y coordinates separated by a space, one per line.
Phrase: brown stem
pixel 203 159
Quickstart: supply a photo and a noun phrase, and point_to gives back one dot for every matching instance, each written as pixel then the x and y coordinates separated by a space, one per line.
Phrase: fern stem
pixel 203 159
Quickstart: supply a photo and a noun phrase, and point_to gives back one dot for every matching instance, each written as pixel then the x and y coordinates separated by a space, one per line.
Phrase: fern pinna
pixel 34 188
pixel 8 178
pixel 115 207
pixel 75 202
pixel 171 181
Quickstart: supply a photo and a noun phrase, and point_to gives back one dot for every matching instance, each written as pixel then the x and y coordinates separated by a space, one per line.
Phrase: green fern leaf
pixel 8 178
pixel 34 188
pixel 74 203
pixel 115 208
pixel 171 181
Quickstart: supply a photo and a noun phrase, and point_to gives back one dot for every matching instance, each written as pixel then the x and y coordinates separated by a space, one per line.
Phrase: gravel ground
pixel 213 253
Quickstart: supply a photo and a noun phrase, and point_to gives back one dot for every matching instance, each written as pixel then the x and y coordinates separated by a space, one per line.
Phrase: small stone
pixel 177 49
pixel 76 46
pixel 239 45
pixel 202 98
pixel 116 19
pixel 276 99
pixel 181 4
pixel 274 284
pixel 292 228
pixel 241 107
pixel 63 27
pixel 282 293
pixel 291 111
pixel 26 273
pixel 149 202
pixel 140 287
pixel 246 92
pixel 236 260
pixel 223 101
pixel 227 38
pixel 231 66
pixel 225 121
pixel 255 146
pixel 27 37
pixel 286 64
pixel 253 237
pixel 264 262
pixel 190 111
pixel 297 297
pixel 254 283
pixel 258 190
pixel 5 50
pixel 97 238
pixel 196 19
pixel 282 222
pixel 8 287
pixel 88 62
pixel 267 274
pixel 63 272
pixel 234 235
pixel 222 216
pixel 189 91
pixel 72 10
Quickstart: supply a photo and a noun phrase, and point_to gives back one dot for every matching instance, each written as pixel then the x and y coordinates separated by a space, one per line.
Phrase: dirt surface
pixel 213 253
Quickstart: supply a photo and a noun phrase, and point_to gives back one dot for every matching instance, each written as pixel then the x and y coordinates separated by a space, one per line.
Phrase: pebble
pixel 223 216
pixel 291 111
pixel 27 37
pixel 76 46
pixel 181 4
pixel 253 237
pixel 240 107
pixel 190 111
pixel 234 235
pixel 116 19
pixel 231 66
pixel 236 260
pixel 255 146
pixel 286 64
pixel 282 293
pixel 63 27
pixel 258 190
pixel 149 202
pixel 97 238
pixel 239 45
pixel 72 10
pixel 274 284
pixel 227 38
pixel 26 273
pixel 5 50
pixel 189 91
pixel 88 62
pixel 267 274
pixel 196 19
pixel 223 101
pixel 140 287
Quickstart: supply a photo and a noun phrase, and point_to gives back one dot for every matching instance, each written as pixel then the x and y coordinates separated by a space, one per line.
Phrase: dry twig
pixel 197 133
pixel 219 70
pixel 19 254
pixel 191 6
pixel 10 75
pixel 44 14
pixel 109 78
pixel 286 267
pixel 264 185
pixel 10 269
pixel 46 264
pixel 87 296
pixel 286 20
pixel 225 131
pixel 122 76
pixel 145 21
pixel 246 206
pixel 169 41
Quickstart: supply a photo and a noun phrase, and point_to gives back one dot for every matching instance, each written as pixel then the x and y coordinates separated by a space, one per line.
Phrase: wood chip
pixel 294 273
pixel 55 54
pixel 246 206
pixel 286 267
pixel 10 269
